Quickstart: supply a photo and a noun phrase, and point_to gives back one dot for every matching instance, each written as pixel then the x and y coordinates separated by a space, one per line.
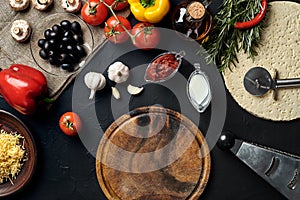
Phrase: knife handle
pixel 226 140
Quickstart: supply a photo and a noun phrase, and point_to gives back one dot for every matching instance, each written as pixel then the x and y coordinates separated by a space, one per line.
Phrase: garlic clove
pixel 94 81
pixel 115 93
pixel 133 90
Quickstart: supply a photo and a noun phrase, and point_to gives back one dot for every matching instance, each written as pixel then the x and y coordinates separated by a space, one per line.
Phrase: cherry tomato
pixel 94 12
pixel 70 123
pixel 118 4
pixel 114 31
pixel 146 35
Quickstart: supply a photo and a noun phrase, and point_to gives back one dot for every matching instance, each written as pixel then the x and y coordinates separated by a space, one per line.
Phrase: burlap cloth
pixel 14 52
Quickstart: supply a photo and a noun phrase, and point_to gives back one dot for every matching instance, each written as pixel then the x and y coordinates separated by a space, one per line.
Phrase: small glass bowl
pixel 178 57
pixel 47 23
pixel 201 104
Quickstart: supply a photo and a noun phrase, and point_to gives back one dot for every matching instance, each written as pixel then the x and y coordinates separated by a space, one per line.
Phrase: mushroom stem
pixel 18 31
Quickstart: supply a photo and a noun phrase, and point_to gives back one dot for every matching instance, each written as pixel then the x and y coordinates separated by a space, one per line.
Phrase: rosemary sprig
pixel 225 41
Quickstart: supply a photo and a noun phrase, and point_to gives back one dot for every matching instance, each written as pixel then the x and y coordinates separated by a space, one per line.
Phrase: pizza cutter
pixel 280 169
pixel 258 82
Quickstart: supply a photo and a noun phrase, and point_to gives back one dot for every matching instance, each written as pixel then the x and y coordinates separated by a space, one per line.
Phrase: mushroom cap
pixel 18 6
pixel 71 7
pixel 37 5
pixel 20 30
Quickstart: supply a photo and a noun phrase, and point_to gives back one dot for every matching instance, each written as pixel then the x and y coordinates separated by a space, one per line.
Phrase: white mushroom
pixel 71 5
pixel 118 72
pixel 18 5
pixel 20 30
pixel 41 4
pixel 94 81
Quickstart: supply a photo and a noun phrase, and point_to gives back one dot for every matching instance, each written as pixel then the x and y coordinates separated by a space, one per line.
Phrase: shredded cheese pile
pixel 12 155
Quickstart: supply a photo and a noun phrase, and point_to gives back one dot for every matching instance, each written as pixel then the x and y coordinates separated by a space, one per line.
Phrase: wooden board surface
pixel 153 153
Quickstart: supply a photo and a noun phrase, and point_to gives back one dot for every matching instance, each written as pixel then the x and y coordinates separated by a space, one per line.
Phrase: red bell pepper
pixel 23 87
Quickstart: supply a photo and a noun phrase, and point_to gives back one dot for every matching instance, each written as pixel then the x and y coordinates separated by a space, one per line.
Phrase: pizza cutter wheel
pixel 258 81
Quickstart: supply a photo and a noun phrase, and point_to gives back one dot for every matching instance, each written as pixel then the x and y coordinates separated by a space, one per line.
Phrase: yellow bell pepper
pixel 152 11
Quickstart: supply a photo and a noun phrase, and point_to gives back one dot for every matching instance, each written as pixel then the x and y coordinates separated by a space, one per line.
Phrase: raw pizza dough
pixel 279 51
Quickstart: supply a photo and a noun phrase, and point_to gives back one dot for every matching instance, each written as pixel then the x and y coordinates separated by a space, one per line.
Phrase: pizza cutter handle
pixel 287 83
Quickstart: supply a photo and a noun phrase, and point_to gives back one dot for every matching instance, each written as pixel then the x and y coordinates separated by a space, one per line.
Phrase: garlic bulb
pixel 94 81
pixel 118 72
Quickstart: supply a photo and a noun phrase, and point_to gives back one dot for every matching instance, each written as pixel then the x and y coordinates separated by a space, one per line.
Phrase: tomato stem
pixel 68 123
pixel 110 7
pixel 92 10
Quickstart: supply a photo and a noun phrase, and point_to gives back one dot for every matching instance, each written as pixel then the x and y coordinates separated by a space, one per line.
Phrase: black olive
pixel 53 60
pixel 53 43
pixel 53 35
pixel 68 34
pixel 76 28
pixel 70 48
pixel 43 54
pixel 47 46
pixel 67 66
pixel 41 42
pixel 65 24
pixel 47 33
pixel 78 39
pixel 65 58
pixel 56 28
pixel 73 58
pixel 81 51
pixel 51 53
pixel 67 40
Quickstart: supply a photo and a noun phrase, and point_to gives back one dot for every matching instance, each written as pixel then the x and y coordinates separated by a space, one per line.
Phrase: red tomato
pixel 114 31
pixel 118 4
pixel 70 123
pixel 94 12
pixel 146 35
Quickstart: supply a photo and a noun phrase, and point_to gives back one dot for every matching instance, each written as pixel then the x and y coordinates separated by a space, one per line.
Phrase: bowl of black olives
pixel 60 43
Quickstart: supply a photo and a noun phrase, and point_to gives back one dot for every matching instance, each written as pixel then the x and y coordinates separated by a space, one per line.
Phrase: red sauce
pixel 162 67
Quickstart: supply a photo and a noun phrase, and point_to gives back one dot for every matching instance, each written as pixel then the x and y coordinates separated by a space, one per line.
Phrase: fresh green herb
pixel 225 41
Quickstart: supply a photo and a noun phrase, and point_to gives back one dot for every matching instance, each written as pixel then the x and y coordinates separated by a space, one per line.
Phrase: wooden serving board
pixel 153 153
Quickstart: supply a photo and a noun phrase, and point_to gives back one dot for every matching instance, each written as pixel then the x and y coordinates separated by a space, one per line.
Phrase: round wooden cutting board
pixel 153 153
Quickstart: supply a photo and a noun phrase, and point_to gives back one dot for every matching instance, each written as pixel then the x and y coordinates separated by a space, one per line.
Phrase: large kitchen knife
pixel 278 168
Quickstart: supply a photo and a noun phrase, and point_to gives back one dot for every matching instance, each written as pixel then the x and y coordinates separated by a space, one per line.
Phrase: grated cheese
pixel 12 155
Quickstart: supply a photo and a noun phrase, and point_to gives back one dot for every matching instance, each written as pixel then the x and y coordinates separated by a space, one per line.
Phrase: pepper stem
pixel 147 3
pixel 48 100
